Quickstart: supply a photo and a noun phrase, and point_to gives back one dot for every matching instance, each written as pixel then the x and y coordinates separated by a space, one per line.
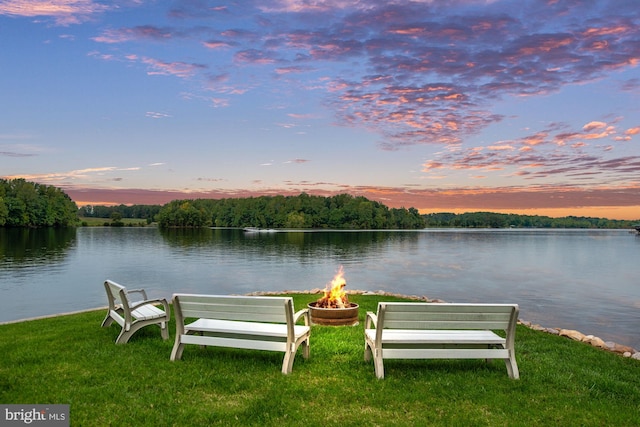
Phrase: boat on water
pixel 258 230
pixel 637 227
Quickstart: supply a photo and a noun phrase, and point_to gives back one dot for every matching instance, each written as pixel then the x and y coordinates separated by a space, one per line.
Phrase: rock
pixel 626 354
pixel 619 348
pixel 573 334
pixel 636 356
pixel 595 341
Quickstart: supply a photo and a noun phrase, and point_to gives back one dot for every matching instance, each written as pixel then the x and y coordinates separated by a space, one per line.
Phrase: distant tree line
pixel 497 220
pixel 146 212
pixel 27 204
pixel 342 211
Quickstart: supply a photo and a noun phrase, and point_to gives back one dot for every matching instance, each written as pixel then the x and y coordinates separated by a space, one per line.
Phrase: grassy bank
pixel 99 222
pixel 70 359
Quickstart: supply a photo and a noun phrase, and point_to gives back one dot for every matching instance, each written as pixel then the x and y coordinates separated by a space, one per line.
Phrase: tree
pixel 28 204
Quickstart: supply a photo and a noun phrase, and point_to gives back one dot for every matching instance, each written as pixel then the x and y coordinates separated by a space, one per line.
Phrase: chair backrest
pixel 115 294
pixel 262 309
pixel 406 315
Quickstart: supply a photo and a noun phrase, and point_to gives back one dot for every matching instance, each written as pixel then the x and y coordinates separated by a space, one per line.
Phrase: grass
pixel 99 222
pixel 72 360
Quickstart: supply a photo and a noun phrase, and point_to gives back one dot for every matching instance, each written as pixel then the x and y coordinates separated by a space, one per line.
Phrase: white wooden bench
pixel 132 315
pixel 414 330
pixel 247 322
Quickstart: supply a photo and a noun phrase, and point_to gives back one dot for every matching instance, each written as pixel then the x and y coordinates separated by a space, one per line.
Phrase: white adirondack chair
pixel 133 315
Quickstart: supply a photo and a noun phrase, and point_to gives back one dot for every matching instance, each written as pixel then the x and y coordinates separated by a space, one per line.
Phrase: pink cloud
pixel 179 69
pixel 217 44
pixel 594 125
pixel 254 56
pixel 64 12
pixel 537 160
pixel 633 131
pixel 136 33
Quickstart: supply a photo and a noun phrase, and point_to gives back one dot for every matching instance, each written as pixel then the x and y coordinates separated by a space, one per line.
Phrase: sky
pixel 513 106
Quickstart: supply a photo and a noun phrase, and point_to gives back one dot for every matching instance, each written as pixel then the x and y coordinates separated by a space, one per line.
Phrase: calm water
pixel 577 279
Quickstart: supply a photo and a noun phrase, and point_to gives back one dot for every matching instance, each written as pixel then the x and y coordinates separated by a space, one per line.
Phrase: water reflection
pixel 304 246
pixel 19 246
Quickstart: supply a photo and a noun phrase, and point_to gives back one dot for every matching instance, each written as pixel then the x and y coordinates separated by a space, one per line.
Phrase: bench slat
pixel 406 307
pixel 236 327
pixel 446 324
pixel 441 353
pixel 448 315
pixel 436 336
pixel 236 316
pixel 235 343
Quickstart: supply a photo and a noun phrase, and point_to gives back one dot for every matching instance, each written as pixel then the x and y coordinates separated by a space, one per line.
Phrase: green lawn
pixel 98 222
pixel 72 360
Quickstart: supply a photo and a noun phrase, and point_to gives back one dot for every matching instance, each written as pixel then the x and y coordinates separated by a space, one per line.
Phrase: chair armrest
pixel 304 312
pixel 371 318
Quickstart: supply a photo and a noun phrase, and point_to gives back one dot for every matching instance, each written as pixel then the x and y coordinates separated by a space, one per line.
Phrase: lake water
pixel 575 279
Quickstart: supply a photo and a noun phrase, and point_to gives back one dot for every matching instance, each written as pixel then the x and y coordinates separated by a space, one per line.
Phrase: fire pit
pixel 334 308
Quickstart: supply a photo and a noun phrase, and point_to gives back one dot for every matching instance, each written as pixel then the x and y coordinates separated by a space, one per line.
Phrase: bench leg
pixel 107 321
pixel 125 335
pixel 512 367
pixel 178 347
pixel 377 363
pixel 305 348
pixel 367 352
pixel 287 363
pixel 164 331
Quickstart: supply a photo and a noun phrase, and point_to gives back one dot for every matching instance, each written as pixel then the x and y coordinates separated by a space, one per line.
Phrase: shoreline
pixel 610 346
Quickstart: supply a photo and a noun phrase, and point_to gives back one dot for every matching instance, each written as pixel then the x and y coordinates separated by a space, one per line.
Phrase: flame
pixel 334 295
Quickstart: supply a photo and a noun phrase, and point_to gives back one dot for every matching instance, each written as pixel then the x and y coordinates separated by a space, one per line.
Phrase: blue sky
pixel 461 105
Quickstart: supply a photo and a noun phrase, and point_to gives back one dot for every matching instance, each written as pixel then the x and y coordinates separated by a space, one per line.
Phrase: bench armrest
pixel 302 313
pixel 371 318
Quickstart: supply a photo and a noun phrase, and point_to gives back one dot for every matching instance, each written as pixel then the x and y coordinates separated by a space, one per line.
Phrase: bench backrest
pixel 226 307
pixel 407 315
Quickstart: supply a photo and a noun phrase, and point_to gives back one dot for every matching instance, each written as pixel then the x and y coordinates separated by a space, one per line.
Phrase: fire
pixel 334 295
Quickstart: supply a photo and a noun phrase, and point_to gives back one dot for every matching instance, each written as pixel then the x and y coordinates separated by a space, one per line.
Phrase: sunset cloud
pixel 64 12
pixel 412 86
pixel 633 131
pixel 540 161
pixel 179 69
